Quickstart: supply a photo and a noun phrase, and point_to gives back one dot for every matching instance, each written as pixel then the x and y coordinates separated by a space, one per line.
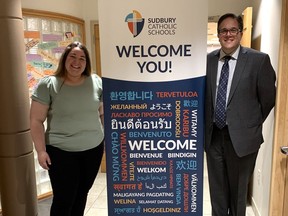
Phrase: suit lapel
pixel 240 66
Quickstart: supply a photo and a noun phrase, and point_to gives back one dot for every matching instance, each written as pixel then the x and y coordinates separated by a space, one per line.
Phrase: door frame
pixel 97 49
pixel 279 175
pixel 247 27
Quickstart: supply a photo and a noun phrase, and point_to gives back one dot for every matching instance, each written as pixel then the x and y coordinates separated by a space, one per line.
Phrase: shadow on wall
pixel 256 43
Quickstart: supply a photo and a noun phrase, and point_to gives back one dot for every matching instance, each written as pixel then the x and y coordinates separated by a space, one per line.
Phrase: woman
pixel 71 148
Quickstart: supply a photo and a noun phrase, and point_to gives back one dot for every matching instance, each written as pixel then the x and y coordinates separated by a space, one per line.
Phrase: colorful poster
pixel 153 59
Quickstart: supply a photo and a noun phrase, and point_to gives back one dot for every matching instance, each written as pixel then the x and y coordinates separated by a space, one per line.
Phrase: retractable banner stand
pixel 153 59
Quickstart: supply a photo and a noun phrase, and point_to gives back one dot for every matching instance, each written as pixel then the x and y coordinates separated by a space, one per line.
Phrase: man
pixel 233 133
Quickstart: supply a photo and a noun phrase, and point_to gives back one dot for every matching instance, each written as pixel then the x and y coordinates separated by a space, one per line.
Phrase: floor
pixel 97 199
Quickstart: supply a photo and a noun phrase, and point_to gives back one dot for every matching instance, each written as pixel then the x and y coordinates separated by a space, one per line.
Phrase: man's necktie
pixel 220 109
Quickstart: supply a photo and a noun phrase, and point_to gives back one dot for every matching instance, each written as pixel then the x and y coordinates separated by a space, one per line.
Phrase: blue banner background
pixel 154 146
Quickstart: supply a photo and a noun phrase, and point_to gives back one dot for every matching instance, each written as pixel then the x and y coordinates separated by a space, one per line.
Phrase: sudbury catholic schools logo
pixel 135 22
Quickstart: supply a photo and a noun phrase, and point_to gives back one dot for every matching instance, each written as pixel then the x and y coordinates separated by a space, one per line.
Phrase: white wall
pixel 267 19
pixel 68 7
pixel 220 7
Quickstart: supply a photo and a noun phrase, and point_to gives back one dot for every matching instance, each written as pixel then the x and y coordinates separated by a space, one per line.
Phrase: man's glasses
pixel 232 31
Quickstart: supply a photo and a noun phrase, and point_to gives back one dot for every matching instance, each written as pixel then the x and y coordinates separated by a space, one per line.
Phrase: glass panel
pixel 66 27
pixel 32 24
pixel 46 26
pixel 56 26
pixel 25 23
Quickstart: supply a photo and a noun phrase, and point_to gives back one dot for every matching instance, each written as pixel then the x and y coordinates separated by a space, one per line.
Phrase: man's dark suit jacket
pixel 251 98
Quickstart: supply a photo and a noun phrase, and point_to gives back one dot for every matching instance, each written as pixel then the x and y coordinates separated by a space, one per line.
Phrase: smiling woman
pixel 72 145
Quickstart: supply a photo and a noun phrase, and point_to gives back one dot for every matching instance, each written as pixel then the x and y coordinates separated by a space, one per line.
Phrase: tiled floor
pixel 97 199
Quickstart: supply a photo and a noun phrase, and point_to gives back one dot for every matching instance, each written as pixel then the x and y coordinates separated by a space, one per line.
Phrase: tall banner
pixel 153 59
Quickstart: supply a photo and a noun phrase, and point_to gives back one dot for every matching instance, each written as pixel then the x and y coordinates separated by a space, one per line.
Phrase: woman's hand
pixel 44 160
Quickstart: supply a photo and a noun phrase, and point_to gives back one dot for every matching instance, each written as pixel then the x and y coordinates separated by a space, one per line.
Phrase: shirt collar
pixel 234 54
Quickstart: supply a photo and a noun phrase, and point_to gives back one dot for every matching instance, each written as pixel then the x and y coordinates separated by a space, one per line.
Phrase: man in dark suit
pixel 249 94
